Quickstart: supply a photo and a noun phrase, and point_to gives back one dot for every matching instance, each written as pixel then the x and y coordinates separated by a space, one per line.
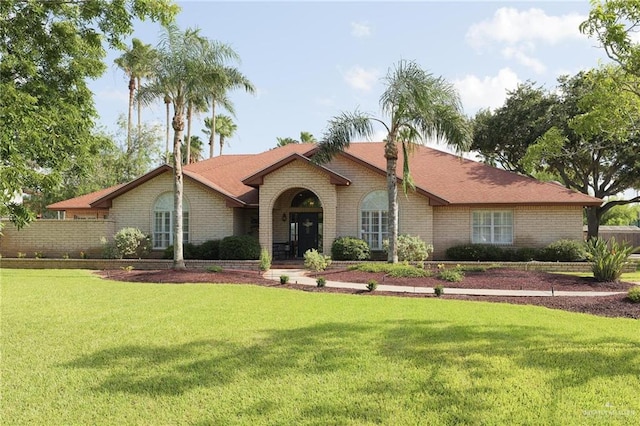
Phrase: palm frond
pixel 341 131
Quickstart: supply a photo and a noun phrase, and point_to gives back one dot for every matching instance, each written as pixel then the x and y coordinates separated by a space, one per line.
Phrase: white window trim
pixel 493 226
pixel 382 232
pixel 185 218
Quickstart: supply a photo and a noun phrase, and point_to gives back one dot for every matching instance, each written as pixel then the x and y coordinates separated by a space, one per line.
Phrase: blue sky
pixel 312 60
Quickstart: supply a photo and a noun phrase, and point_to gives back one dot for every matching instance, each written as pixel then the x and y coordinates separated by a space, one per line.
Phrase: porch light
pixel 284 217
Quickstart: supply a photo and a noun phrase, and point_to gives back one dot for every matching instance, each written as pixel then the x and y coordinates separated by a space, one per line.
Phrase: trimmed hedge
pixel 209 250
pixel 350 248
pixel 242 247
pixel 558 251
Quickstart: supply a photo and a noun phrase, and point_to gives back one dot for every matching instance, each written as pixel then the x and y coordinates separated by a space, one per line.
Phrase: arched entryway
pixel 298 223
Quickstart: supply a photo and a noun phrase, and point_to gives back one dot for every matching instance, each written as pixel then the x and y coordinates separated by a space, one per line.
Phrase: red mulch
pixel 499 278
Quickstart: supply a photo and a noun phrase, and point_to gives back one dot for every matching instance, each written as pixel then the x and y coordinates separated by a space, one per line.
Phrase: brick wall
pixel 534 226
pixel 53 238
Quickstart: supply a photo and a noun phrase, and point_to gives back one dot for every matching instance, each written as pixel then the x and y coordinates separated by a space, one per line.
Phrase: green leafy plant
pixel 321 281
pixel 563 251
pixel 438 290
pixel 265 260
pixel 608 258
pixel 350 248
pixel 398 270
pixel 131 242
pixel 453 275
pixel 316 261
pixel 634 294
pixel 372 285
pixel 65 256
pixel 410 249
pixel 284 279
pixel 128 268
pixel 213 268
pixel 243 247
pixel 38 255
pixel 84 255
pixel 21 255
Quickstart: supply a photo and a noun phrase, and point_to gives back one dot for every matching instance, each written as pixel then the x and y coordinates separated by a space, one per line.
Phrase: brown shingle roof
pixel 465 182
pixel 444 178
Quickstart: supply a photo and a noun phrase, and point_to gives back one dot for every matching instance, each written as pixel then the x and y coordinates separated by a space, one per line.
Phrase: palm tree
pixel 195 104
pixel 419 106
pixel 221 80
pixel 225 128
pixel 137 63
pixel 307 137
pixel 195 150
pixel 167 102
pixel 179 68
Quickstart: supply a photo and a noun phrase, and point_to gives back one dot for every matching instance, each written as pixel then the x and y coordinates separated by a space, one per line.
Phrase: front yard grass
pixel 77 349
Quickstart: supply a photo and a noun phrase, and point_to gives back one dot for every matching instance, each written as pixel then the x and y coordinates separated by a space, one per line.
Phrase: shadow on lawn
pixel 486 357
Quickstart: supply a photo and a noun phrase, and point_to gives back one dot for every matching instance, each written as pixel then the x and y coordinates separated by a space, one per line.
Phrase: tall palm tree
pixel 195 150
pixel 137 63
pixel 418 106
pixel 225 128
pixel 222 80
pixel 167 103
pixel 195 104
pixel 179 67
pixel 307 137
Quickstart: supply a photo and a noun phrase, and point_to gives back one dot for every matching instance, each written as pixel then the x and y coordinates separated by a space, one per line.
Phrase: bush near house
pixel 608 258
pixel 410 249
pixel 558 251
pixel 316 261
pixel 127 243
pixel 209 250
pixel 242 247
pixel 350 248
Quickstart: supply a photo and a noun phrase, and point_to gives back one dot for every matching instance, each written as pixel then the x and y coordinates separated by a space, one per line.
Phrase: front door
pixel 307 232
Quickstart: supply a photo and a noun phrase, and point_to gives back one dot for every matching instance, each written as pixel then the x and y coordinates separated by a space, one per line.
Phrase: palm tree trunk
pixel 132 89
pixel 178 185
pixel 212 136
pixel 391 154
pixel 188 141
pixel 166 146
pixel 139 110
pixel 221 143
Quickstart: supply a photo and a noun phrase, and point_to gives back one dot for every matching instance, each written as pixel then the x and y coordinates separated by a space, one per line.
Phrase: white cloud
pixel 360 78
pixel 360 29
pixel 486 92
pixel 511 26
pixel 523 58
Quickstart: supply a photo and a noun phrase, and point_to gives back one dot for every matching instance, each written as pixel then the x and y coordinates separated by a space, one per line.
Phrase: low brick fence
pixel 254 265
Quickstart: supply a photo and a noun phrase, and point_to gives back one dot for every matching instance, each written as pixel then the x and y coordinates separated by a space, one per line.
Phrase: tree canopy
pixel 585 134
pixel 49 50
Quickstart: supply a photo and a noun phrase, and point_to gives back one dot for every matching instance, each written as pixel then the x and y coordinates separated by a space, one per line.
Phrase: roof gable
pixel 257 178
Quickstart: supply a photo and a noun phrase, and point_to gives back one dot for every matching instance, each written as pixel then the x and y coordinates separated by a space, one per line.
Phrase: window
pixel 492 227
pixel 163 221
pixel 374 214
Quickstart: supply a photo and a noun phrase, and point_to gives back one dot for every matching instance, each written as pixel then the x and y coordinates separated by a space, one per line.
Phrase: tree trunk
pixel 178 130
pixel 391 154
pixel 212 136
pixel 166 146
pixel 139 110
pixel 221 143
pixel 188 140
pixel 593 221
pixel 132 89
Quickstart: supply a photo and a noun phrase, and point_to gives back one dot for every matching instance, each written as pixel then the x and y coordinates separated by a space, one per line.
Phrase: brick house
pixel 291 205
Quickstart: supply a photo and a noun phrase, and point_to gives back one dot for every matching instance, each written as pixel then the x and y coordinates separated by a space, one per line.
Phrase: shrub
pixel 563 251
pixel 526 254
pixel 265 260
pixel 608 258
pixel 372 285
pixel 38 255
pixel 634 294
pixel 321 281
pixel 284 279
pixel 213 268
pixel 410 249
pixel 350 248
pixel 453 275
pixel 438 290
pixel 131 242
pixel 407 271
pixel 476 252
pixel 209 250
pixel 242 247
pixel 316 261
pixel 21 255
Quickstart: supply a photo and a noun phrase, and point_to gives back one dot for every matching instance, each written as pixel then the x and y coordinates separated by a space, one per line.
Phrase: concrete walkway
pixel 298 276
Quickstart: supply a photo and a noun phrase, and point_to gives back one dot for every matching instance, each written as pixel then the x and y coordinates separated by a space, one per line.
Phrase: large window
pixel 163 221
pixel 374 223
pixel 492 227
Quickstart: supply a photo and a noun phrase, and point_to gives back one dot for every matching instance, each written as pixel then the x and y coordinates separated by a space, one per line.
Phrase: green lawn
pixel 80 350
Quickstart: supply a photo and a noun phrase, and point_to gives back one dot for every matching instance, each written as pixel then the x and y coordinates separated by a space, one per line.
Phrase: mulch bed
pixel 499 278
